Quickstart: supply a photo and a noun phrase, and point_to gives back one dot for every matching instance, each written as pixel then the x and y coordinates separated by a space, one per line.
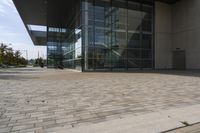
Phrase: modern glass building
pixel 117 34
pixel 107 35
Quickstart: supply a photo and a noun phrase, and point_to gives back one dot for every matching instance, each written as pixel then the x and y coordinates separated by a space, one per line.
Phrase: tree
pixel 17 55
pixel 39 62
pixel 9 57
pixel 3 49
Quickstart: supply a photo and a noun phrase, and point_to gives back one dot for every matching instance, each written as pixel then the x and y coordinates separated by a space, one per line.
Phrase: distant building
pixel 115 35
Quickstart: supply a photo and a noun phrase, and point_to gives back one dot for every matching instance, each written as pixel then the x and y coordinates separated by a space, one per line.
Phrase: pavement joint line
pixel 181 127
pixel 166 116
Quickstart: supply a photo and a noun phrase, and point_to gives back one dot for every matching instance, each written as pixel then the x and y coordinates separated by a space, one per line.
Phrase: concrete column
pixel 85 23
pixel 163 36
pixel 186 30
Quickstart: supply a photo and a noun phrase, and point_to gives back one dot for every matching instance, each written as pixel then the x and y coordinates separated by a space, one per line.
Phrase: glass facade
pixel 64 44
pixel 110 35
pixel 55 47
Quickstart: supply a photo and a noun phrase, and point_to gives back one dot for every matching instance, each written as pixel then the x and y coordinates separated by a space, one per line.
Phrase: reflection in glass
pixel 117 35
pixel 104 35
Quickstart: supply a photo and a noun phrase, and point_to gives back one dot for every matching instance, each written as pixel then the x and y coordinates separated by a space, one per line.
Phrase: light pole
pixel 26 54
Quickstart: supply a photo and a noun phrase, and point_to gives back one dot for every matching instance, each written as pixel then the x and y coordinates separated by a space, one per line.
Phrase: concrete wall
pixel 163 36
pixel 186 30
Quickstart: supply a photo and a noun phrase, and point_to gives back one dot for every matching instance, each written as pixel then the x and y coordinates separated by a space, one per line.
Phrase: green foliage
pixel 39 62
pixel 10 57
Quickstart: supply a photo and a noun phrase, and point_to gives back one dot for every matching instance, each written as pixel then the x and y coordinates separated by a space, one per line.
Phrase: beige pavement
pixel 156 122
pixel 189 129
pixel 41 100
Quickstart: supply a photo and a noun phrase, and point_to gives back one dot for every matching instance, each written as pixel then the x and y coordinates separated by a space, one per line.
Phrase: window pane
pixel 134 40
pixel 146 41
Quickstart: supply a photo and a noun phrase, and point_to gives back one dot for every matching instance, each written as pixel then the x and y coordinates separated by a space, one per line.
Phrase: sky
pixel 13 31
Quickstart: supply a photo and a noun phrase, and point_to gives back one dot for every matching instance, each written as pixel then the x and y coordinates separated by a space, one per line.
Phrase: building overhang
pixel 33 12
pixel 51 13
pixel 168 1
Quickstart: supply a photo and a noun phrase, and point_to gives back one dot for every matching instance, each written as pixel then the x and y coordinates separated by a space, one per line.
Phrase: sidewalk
pixel 189 129
pixel 156 122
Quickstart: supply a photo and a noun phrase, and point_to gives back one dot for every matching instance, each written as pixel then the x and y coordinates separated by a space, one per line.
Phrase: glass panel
pixel 147 25
pixel 146 54
pixel 134 40
pixel 147 12
pixel 147 63
pixel 133 63
pixel 119 37
pixel 118 64
pixel 146 41
pixel 65 45
pixel 54 47
pixel 134 53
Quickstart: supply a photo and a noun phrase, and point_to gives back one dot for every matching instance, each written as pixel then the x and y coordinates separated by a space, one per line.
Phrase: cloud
pixel 2 27
pixel 4 5
pixel 8 3
pixel 6 32
pixel 10 34
pixel 2 10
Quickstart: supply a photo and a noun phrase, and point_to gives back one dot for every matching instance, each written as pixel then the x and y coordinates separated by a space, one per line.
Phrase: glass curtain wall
pixel 72 50
pixel 64 45
pixel 54 47
pixel 140 35
pixel 117 35
pixel 104 35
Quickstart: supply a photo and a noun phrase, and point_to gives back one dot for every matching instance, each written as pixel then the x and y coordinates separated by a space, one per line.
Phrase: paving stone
pixel 65 120
pixel 5 130
pixel 22 127
pixel 4 121
pixel 56 98
pixel 32 130
pixel 189 129
pixel 3 125
pixel 45 124
pixel 55 129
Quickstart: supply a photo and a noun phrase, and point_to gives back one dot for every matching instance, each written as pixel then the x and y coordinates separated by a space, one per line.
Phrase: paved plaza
pixel 190 129
pixel 45 100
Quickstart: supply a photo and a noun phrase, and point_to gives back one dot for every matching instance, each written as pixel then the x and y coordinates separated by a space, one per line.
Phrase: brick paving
pixel 41 100
pixel 189 129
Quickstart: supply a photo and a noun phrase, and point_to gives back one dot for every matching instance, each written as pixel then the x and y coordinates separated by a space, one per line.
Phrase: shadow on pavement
pixel 192 73
pixel 15 77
